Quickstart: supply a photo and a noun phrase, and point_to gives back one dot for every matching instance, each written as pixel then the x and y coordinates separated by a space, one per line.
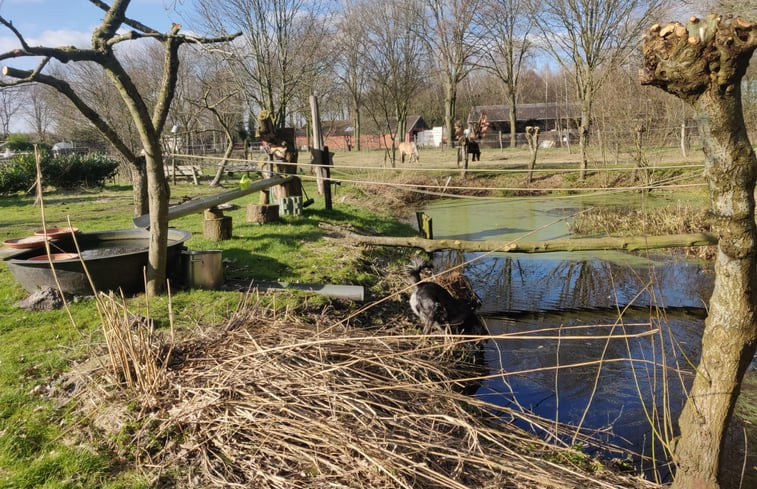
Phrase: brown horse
pixel 409 149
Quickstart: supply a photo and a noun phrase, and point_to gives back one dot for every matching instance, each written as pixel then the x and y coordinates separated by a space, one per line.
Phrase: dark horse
pixel 472 148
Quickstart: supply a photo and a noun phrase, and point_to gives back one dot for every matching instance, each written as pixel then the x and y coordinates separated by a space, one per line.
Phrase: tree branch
pixel 631 243
pixel 125 20
pixel 64 88
pixel 63 54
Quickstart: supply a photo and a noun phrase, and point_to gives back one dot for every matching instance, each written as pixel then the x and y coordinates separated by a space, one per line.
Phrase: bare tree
pixel 105 38
pixel 703 63
pixel 508 24
pixel 395 62
pixel 587 37
pixel 39 110
pixel 453 43
pixel 220 98
pixel 276 56
pixel 11 101
pixel 351 69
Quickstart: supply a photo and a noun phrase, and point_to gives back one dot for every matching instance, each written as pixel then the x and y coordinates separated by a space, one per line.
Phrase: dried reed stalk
pixel 137 357
pixel 275 401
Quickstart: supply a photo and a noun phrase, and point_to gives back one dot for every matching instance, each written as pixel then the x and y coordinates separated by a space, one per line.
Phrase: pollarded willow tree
pixel 114 30
pixel 703 63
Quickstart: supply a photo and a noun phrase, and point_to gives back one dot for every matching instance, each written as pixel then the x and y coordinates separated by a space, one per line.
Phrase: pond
pixel 601 343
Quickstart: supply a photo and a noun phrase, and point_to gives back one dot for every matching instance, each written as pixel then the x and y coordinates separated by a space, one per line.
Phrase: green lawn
pixel 39 446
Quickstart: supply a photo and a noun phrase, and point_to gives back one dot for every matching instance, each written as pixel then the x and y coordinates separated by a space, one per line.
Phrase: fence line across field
pixel 449 190
pixel 239 165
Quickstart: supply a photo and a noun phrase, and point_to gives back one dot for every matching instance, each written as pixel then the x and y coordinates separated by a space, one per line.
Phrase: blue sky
pixel 71 22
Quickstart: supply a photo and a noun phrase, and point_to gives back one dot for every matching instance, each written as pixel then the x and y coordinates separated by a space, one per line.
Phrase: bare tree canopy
pixel 454 42
pixel 508 25
pixel 280 51
pixel 588 36
pixel 395 62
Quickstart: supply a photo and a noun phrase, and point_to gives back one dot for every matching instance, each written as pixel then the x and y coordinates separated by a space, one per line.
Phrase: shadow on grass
pixel 241 264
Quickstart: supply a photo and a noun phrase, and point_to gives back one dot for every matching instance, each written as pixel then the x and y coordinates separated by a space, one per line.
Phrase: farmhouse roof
pixel 412 123
pixel 337 128
pixel 527 112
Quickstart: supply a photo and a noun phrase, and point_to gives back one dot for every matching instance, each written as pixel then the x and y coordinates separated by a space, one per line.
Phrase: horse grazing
pixel 409 149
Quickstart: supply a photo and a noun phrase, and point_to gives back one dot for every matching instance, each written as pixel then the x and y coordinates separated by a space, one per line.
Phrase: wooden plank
pixel 199 205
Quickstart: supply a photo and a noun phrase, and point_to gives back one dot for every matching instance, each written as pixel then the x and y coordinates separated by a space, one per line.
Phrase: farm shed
pixel 340 134
pixel 552 119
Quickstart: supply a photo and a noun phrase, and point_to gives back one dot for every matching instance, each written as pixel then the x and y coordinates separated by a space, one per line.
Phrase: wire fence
pixel 658 177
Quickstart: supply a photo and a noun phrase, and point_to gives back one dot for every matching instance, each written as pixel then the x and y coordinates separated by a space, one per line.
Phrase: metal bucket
pixel 204 269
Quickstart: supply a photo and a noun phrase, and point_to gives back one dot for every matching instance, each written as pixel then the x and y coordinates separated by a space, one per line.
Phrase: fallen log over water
pixel 628 243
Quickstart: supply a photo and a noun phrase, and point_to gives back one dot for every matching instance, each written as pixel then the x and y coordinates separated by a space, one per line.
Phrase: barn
pixel 340 134
pixel 555 121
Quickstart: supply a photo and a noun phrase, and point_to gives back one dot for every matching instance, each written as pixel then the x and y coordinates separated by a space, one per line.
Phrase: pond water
pixel 602 342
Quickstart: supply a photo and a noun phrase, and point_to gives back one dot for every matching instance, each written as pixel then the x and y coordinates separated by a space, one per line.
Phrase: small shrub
pixel 19 142
pixel 17 175
pixel 74 170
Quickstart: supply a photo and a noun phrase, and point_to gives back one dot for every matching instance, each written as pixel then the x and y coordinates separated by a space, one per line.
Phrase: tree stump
pixel 262 213
pixel 216 226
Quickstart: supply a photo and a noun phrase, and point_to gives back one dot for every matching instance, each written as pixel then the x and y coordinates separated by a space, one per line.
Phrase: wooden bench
pixel 184 171
pixel 232 168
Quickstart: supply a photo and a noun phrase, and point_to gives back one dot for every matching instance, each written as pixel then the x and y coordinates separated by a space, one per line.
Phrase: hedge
pixel 67 172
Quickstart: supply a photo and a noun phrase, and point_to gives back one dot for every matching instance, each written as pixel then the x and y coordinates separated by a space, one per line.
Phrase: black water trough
pixel 114 259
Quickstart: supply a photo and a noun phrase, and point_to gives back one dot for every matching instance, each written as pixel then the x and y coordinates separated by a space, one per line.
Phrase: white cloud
pixel 50 38
pixel 63 37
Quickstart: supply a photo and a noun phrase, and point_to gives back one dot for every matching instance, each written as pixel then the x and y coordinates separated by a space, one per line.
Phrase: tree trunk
pixel 532 136
pixel 222 165
pixel 159 193
pixel 583 131
pixel 139 186
pixel 450 101
pixel 703 63
pixel 356 142
pixel 513 116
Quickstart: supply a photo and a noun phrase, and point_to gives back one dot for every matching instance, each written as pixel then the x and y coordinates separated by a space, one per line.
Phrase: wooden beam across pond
pixel 628 243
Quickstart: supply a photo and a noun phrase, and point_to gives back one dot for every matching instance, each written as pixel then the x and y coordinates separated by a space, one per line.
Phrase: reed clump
pixel 622 221
pixel 284 400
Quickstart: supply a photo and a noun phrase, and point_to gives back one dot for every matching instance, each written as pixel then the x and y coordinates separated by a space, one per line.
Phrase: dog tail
pixel 417 265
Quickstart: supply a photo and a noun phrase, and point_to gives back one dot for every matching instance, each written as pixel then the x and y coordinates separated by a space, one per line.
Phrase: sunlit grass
pixel 37 347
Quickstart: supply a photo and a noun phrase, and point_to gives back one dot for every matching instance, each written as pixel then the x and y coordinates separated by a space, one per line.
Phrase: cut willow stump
pixel 215 225
pixel 703 63
pixel 262 213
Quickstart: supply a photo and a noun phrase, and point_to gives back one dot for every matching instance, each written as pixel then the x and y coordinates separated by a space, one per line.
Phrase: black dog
pixel 435 307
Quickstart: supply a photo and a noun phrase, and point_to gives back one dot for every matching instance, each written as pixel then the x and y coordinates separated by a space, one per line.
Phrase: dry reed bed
pixel 285 401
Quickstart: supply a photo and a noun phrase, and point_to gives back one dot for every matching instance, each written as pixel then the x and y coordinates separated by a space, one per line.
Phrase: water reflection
pixel 603 342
